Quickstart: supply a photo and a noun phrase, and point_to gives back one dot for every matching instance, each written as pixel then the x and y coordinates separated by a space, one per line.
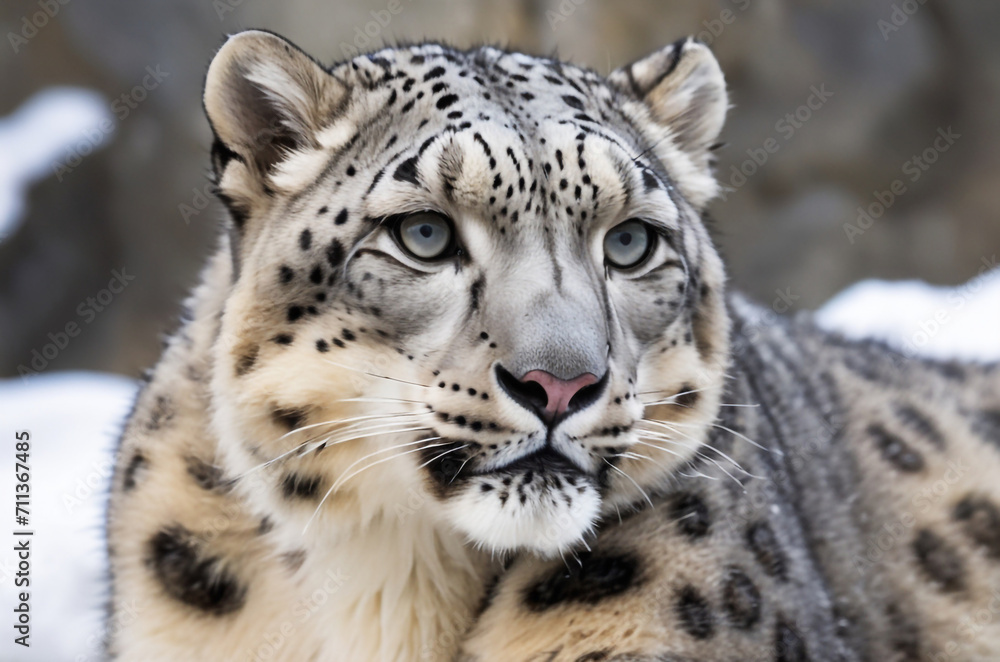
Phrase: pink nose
pixel 558 391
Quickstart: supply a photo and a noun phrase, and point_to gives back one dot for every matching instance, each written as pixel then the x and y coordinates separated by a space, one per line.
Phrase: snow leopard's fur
pixel 327 463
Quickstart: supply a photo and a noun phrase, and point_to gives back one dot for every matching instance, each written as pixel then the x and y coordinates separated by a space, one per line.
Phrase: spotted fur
pixel 338 456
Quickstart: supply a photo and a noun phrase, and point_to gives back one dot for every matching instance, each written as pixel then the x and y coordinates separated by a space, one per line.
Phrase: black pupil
pixel 426 231
pixel 626 238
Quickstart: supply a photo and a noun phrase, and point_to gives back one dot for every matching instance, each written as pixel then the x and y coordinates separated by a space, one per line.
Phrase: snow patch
pixel 918 319
pixel 74 420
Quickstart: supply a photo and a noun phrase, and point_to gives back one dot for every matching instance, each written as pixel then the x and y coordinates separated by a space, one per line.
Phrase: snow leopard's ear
pixel 264 97
pixel 684 89
pixel 683 97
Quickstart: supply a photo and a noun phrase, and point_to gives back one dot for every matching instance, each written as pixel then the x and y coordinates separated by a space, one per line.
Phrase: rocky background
pixel 832 102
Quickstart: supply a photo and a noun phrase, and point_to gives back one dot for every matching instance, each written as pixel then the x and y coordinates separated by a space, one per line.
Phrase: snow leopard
pixel 464 380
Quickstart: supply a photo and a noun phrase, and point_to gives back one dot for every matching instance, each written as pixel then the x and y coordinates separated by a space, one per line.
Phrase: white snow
pixel 47 133
pixel 918 319
pixel 74 419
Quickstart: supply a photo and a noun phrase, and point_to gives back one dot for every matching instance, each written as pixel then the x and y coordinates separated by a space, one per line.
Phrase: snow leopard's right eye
pixel 425 235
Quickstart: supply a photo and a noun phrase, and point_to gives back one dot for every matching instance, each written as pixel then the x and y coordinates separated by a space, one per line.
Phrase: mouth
pixel 545 460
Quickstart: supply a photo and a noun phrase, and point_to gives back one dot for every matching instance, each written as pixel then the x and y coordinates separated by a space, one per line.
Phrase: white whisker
pixel 347 420
pixel 735 464
pixel 438 457
pixel 339 482
pixel 353 434
pixel 372 374
pixel 729 430
pixel 648 500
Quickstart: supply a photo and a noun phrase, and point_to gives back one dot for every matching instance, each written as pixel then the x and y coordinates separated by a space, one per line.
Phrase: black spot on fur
pixel 285 274
pixel 163 413
pixel 594 656
pixel 895 451
pixel 207 476
pixel 407 171
pixel 939 561
pixel 137 463
pixel 294 560
pixel 475 291
pixel 980 520
pixel 446 101
pixel 335 253
pixel 905 633
pixel 289 418
pixel 246 361
pixel 688 396
pixel 766 549
pixel 740 599
pixel 300 487
pixel 788 644
pixel 595 578
pixel 986 423
pixel 341 217
pixel 294 313
pixel 322 346
pixel 283 339
pixel 921 424
pixel 188 575
pixel 649 181
pixel 436 72
pixel 305 239
pixel 316 275
pixel 691 514
pixel 694 613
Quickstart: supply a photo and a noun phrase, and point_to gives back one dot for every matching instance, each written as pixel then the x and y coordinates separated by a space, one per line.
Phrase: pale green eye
pixel 628 244
pixel 425 234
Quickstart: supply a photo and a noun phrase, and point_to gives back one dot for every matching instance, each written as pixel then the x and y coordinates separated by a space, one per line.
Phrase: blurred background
pixel 863 144
pixel 845 94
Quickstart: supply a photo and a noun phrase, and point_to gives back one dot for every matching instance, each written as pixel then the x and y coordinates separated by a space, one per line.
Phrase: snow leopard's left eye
pixel 425 235
pixel 628 244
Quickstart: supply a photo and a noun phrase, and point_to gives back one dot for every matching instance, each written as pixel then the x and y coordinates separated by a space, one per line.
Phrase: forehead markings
pixel 488 62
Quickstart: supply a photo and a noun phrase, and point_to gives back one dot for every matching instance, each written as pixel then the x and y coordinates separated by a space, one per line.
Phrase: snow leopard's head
pixel 467 283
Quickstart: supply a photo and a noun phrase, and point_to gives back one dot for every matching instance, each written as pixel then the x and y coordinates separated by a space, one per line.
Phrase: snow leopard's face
pixel 475 280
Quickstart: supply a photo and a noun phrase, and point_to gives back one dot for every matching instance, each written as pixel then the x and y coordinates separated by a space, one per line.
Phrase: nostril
pixel 586 396
pixel 530 395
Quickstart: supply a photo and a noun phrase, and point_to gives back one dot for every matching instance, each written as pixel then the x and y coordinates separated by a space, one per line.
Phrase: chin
pixel 547 514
